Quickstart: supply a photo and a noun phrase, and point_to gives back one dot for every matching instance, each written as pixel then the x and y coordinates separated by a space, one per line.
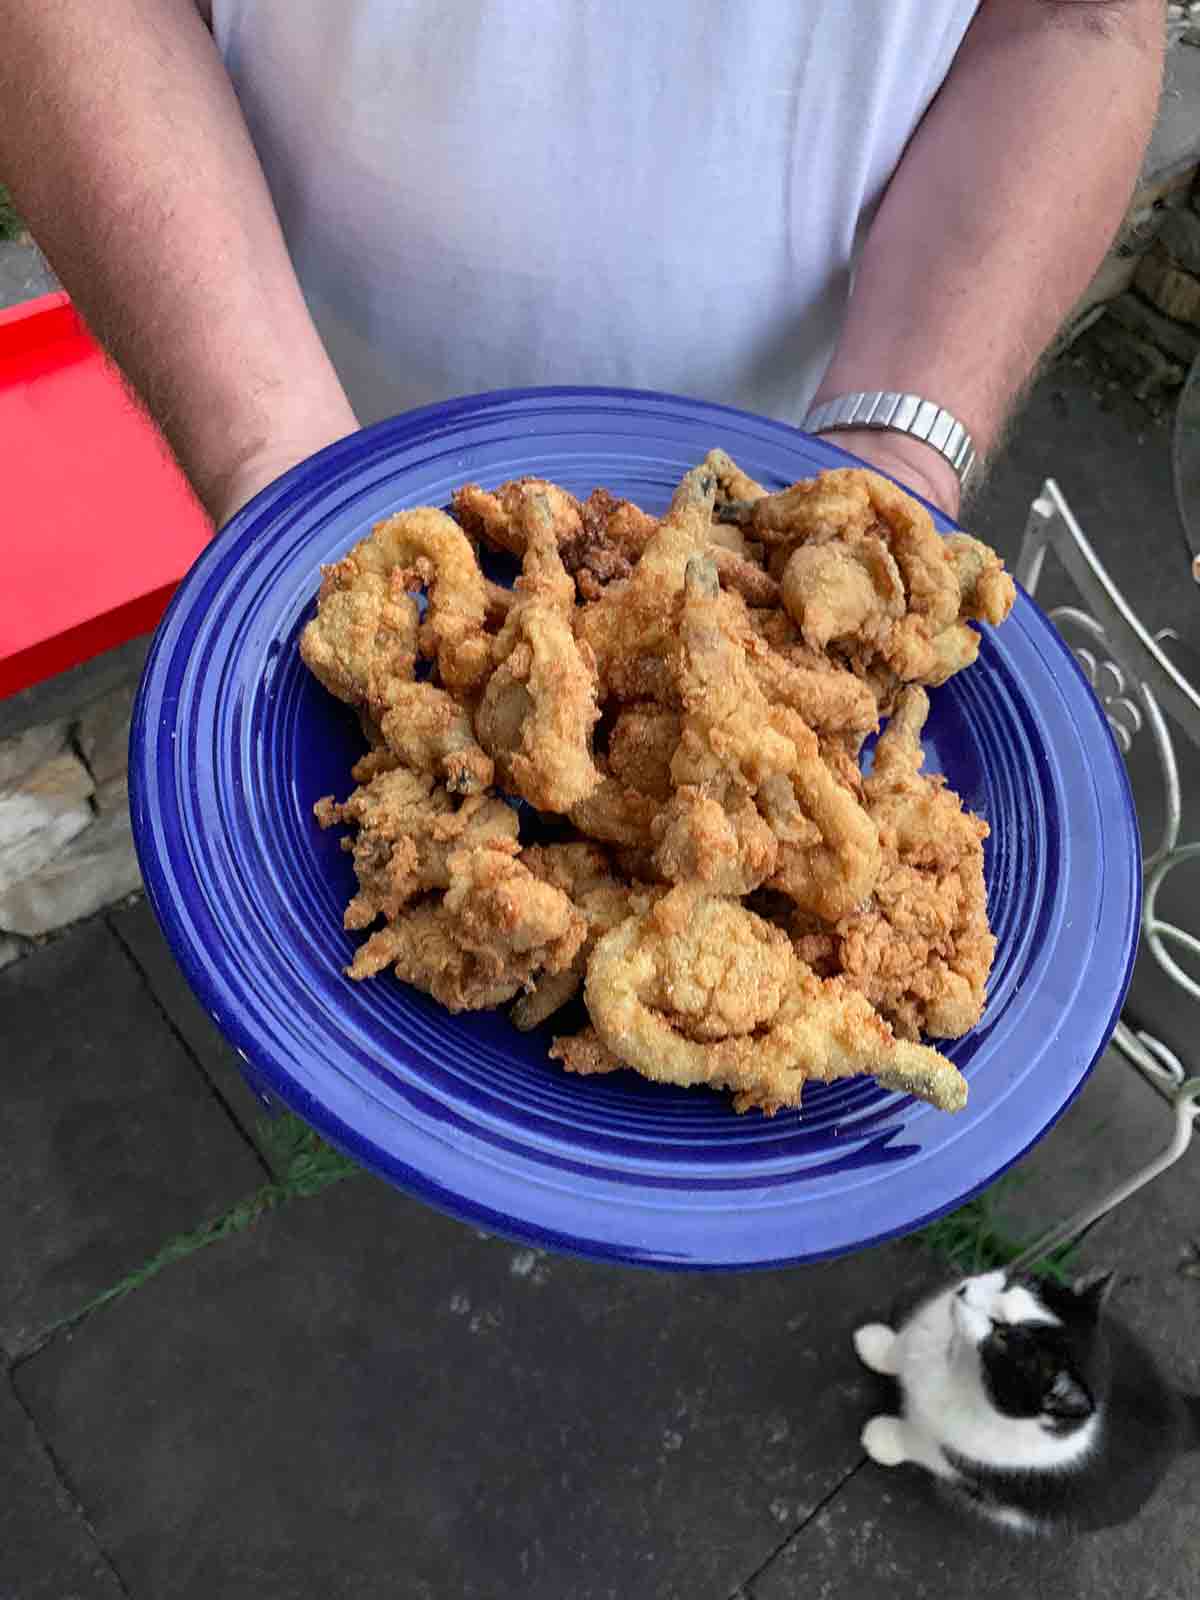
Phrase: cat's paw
pixel 883 1440
pixel 875 1345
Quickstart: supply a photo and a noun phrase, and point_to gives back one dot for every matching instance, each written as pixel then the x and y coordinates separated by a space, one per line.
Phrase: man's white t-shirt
pixel 484 194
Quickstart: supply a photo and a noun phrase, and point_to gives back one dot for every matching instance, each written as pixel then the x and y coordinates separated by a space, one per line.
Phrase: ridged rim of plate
pixel 468 1114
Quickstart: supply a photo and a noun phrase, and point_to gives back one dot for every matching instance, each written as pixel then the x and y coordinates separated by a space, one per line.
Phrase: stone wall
pixel 1150 331
pixel 1140 311
pixel 66 848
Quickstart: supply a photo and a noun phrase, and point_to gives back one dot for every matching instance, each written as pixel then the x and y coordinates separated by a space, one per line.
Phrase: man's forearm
pixel 126 152
pixel 1002 207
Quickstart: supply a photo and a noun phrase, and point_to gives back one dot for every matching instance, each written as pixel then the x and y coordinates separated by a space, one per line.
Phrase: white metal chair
pixel 1139 687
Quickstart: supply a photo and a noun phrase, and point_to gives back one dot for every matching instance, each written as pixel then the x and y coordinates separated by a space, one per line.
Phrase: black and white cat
pixel 1029 1401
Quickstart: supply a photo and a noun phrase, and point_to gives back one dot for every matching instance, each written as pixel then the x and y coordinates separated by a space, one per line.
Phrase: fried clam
pixel 614 814
pixel 836 871
pixel 407 828
pixel 921 949
pixel 363 638
pixel 864 513
pixel 986 592
pixel 723 844
pixel 584 872
pixel 698 990
pixel 424 548
pixel 839 591
pixel 745 576
pixel 829 697
pixel 732 483
pixel 429 731
pixel 641 743
pixel 496 928
pixel 726 730
pixel 599 539
pixel 828 847
pixel 538 709
pixel 585 1054
pixel 497 516
pixel 612 537
pixel 630 629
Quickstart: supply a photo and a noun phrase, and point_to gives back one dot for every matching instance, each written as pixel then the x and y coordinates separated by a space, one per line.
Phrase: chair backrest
pixel 1136 683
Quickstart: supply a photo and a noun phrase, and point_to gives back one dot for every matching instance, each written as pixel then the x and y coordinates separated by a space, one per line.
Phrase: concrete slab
pixel 1116 1126
pixel 887 1536
pixel 137 928
pixel 47 1551
pixel 364 1398
pixel 113 1141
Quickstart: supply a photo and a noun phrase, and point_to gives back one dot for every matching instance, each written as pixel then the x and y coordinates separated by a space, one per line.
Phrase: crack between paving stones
pixel 308 1166
pixel 144 977
pixel 745 1589
pixel 68 1491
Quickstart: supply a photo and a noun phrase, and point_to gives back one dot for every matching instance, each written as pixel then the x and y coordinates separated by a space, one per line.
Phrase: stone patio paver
pixel 112 1139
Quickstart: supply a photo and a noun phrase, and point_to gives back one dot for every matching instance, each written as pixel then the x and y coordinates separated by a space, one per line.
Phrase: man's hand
pixel 915 465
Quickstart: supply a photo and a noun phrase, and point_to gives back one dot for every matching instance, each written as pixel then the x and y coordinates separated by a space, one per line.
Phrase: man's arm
pixel 126 152
pixel 998 215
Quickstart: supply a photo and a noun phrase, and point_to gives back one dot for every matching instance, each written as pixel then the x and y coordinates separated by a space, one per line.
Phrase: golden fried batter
pixel 700 990
pixel 920 949
pixel 740 906
pixel 363 638
pixel 539 706
pixel 494 930
pixel 408 827
pixel 424 547
pixel 630 628
pixel 431 732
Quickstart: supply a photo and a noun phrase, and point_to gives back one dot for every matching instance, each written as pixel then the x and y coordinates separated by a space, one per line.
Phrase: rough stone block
pixel 112 794
pixel 40 814
pixel 1181 343
pixel 1179 236
pixel 28 750
pixel 104 733
pixel 96 869
pixel 1173 291
pixel 1150 371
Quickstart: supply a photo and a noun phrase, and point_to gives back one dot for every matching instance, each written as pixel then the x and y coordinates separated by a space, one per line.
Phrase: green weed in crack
pixel 972 1240
pixel 305 1165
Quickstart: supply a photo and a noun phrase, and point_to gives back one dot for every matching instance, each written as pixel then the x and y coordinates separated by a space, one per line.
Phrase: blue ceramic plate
pixel 233 741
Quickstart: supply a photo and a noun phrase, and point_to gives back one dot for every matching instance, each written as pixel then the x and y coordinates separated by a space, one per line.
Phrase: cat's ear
pixel 1066 1398
pixel 1092 1292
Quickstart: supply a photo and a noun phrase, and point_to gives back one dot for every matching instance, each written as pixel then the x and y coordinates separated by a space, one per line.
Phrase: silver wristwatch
pixel 898 413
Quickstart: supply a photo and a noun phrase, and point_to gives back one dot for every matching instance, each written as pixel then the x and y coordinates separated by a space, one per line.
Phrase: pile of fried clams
pixel 740 906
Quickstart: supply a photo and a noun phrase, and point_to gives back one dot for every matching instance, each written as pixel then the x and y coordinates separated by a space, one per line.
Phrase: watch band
pixel 898 413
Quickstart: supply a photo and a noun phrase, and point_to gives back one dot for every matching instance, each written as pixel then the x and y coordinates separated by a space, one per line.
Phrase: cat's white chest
pixel 937 1367
pixel 937 1396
